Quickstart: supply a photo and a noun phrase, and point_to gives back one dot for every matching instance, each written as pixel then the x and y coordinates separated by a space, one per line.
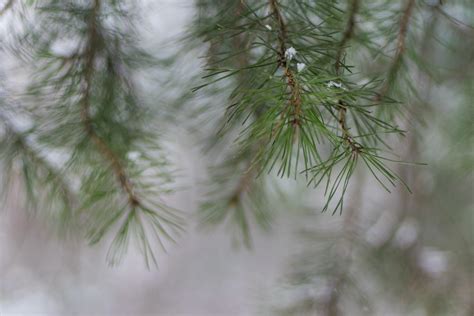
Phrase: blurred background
pixel 387 253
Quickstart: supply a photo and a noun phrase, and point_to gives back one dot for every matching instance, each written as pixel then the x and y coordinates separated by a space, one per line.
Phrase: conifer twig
pixel 346 135
pixel 101 145
pixel 295 93
pixel 342 109
pixel 400 49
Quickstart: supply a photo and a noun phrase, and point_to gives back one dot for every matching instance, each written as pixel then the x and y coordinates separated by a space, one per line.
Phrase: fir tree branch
pixel 101 145
pixel 292 83
pixel 400 49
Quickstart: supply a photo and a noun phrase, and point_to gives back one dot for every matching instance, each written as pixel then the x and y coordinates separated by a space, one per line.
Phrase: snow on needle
pixel 290 53
pixel 300 66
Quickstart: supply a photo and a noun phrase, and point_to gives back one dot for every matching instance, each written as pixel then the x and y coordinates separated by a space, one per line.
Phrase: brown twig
pixel 101 145
pixel 346 135
pixel 400 49
pixel 342 108
pixel 246 179
pixel 292 83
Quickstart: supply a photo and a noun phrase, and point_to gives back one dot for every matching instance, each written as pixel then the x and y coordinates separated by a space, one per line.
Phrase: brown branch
pixel 346 135
pixel 246 179
pixel 101 145
pixel 400 49
pixel 342 108
pixel 292 83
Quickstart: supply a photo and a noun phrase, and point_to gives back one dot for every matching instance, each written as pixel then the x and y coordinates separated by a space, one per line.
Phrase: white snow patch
pixel 334 84
pixel 433 261
pixel 133 155
pixel 290 53
pixel 300 66
pixel 406 234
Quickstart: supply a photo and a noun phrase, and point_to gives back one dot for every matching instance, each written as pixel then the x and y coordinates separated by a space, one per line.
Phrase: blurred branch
pixel 350 219
pixel 236 200
pixel 34 155
pixel 6 7
pixel 348 33
pixel 405 200
pixel 400 49
pixel 456 22
pixel 102 146
pixel 344 251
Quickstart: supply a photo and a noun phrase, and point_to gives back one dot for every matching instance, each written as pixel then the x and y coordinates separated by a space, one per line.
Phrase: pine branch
pixel 101 145
pixel 247 178
pixel 346 135
pixel 294 106
pixel 295 92
pixel 348 33
pixel 92 110
pixel 241 200
pixel 400 49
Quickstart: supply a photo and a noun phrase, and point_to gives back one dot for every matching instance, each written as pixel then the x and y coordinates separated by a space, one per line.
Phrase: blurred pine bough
pixel 303 89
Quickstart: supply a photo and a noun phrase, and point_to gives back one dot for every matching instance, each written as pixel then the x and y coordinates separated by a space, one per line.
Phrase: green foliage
pixel 89 105
pixel 287 90
pixel 296 105
pixel 44 185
